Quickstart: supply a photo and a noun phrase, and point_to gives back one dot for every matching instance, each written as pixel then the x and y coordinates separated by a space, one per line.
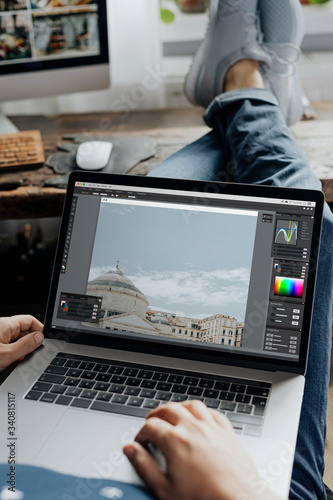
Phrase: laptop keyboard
pixel 134 389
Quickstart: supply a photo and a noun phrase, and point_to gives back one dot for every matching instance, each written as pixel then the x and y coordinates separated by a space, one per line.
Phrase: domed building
pixel 124 306
pixel 119 294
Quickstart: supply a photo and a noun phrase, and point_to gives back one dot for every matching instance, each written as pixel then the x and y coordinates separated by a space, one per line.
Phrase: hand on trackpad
pixel 93 155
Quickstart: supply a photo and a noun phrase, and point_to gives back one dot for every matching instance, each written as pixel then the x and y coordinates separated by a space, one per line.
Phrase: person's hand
pixel 204 458
pixel 19 335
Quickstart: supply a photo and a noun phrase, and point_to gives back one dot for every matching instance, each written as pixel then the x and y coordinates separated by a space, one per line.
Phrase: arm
pixel 204 457
pixel 19 335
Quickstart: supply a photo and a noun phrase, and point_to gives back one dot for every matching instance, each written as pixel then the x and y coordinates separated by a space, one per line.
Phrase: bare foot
pixel 243 74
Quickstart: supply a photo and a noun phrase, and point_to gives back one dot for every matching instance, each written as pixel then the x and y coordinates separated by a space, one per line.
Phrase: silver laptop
pixel 167 290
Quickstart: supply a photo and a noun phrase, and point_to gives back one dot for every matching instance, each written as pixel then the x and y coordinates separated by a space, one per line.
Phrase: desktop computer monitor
pixel 52 47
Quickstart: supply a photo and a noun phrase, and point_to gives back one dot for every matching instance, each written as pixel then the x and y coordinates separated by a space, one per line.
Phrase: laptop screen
pixel 223 272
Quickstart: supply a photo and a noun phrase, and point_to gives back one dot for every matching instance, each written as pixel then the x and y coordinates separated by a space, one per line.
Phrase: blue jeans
pixel 251 143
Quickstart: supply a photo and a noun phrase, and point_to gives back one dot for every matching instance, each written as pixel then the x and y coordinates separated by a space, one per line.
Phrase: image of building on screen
pixel 125 308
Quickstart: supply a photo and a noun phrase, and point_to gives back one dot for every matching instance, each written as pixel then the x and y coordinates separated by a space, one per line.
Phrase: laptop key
pixel 87 384
pixel 257 391
pixel 132 391
pixel 134 381
pixel 81 403
pixel 88 394
pixel 119 408
pixel 195 391
pixel 163 386
pixel 103 377
pixel 259 405
pixel 116 370
pixel 211 393
pixel 101 386
pixel 133 401
pixel 99 367
pixel 63 400
pixel 222 386
pixel 34 395
pixel 52 379
pixel 58 389
pixel 48 398
pixel 58 370
pixel 118 379
pixel 147 393
pixel 179 389
pixel 119 389
pixel 86 365
pixel 73 382
pixel 148 384
pixel 73 391
pixel 175 379
pixel 73 372
pixel 163 396
pixel 58 361
pixel 179 397
pixel 227 405
pixel 191 381
pixel 207 384
pixel 41 386
pixel 119 399
pixel 243 408
pixel 227 396
pixel 130 372
pixel 151 404
pixel 237 388
pixel 72 363
pixel 199 398
pixel 243 398
pixel 161 377
pixel 104 396
pixel 88 375
pixel 145 374
pixel 212 403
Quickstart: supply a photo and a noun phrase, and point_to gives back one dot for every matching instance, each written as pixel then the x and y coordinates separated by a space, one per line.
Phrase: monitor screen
pixel 38 38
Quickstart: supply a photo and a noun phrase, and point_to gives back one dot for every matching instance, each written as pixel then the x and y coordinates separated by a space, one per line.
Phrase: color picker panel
pixel 288 287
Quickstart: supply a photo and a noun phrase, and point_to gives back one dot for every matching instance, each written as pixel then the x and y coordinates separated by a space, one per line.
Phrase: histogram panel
pixel 286 232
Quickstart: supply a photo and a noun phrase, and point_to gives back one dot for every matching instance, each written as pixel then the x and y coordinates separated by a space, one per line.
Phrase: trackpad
pixel 89 444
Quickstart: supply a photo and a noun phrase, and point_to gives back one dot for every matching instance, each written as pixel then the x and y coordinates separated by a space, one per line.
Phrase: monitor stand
pixel 6 126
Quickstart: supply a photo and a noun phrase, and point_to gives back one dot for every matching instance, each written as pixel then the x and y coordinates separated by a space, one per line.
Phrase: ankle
pixel 242 75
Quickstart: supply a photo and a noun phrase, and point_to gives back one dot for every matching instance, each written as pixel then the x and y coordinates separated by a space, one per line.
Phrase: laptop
pixel 168 290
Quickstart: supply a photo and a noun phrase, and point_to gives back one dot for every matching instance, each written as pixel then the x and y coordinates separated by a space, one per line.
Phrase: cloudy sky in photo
pixel 193 264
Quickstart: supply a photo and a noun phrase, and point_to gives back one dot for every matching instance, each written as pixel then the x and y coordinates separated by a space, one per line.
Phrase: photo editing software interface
pixel 218 271
pixel 42 30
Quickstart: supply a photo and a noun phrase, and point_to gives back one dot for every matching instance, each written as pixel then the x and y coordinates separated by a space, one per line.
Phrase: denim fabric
pixel 251 143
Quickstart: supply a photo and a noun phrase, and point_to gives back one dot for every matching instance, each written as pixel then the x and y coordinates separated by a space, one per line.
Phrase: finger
pixel 173 413
pixel 198 409
pixel 221 420
pixel 147 468
pixel 22 347
pixel 156 431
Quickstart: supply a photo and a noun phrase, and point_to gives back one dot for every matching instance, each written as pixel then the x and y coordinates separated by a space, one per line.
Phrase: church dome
pixel 115 280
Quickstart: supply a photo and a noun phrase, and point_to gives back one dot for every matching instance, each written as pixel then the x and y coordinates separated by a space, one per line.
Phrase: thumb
pixel 23 346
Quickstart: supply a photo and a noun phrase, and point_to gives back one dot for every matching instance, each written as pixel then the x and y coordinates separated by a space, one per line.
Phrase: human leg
pixel 282 27
pixel 259 148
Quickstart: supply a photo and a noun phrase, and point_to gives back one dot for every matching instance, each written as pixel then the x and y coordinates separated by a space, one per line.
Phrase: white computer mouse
pixel 93 155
